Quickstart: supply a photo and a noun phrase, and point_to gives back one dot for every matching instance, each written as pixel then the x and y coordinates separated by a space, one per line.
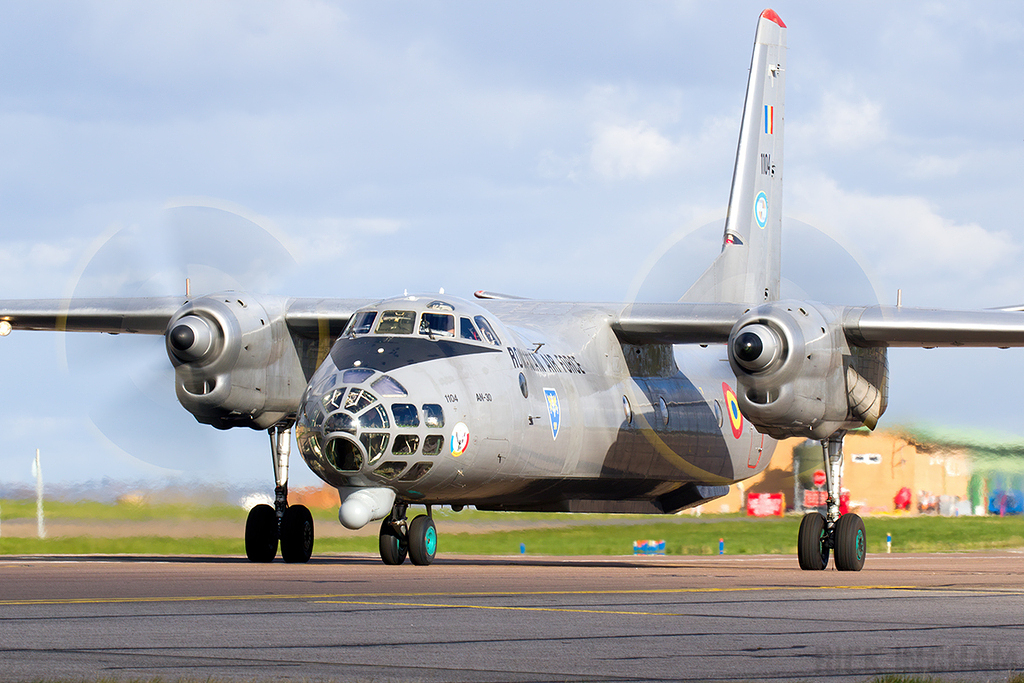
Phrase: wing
pixel 240 360
pixel 862 326
pixel 151 315
pixel 113 316
pixel 921 327
pixel 677 323
pixel 809 369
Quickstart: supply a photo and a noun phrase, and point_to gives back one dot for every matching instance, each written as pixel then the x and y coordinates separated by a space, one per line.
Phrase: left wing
pixel 809 369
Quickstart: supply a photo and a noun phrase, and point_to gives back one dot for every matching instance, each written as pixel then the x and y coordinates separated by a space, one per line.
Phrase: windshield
pixel 437 325
pixel 396 322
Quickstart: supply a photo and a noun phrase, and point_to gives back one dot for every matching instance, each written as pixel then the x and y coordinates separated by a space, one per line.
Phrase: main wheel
pixel 812 542
pixel 393 548
pixel 261 534
pixel 297 534
pixel 851 543
pixel 422 540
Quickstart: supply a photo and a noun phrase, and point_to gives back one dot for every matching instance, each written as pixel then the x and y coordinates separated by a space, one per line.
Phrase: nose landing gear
pixel 292 524
pixel 842 534
pixel 399 539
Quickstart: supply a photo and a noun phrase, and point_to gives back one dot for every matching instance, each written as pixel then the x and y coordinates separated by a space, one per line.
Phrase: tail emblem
pixel 761 210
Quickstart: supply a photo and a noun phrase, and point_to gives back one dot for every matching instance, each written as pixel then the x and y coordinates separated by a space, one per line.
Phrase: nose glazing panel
pixel 351 420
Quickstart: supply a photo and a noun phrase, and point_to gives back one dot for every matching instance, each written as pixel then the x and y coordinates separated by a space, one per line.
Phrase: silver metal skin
pixel 512 404
pixel 601 425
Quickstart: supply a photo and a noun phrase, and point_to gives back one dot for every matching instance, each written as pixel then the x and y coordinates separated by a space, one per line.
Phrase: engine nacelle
pixel 796 374
pixel 234 360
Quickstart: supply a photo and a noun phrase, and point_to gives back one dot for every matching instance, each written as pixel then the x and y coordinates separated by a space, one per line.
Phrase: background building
pixel 946 472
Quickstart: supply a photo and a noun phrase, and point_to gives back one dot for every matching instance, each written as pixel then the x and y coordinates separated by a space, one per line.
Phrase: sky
pixel 554 150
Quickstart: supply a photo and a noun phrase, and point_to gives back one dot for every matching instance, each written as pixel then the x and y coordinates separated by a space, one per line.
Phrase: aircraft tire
pixel 393 548
pixel 422 540
pixel 261 534
pixel 297 534
pixel 851 543
pixel 812 542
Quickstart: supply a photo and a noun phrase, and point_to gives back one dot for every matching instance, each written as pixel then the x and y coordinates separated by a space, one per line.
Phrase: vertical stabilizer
pixel 747 270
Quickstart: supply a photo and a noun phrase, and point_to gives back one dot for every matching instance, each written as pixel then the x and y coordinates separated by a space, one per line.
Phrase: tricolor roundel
pixel 733 408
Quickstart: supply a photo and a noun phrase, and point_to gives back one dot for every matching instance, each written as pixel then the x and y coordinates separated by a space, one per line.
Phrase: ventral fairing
pixel 514 404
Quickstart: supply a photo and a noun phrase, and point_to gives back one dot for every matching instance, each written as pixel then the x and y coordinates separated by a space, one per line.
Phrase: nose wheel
pixel 400 539
pixel 843 535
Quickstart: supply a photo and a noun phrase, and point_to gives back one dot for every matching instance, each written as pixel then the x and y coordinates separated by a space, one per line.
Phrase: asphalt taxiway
pixel 350 618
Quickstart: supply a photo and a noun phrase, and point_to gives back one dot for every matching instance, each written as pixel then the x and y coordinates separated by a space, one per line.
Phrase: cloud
pixel 28 268
pixel 911 243
pixel 844 123
pixel 634 151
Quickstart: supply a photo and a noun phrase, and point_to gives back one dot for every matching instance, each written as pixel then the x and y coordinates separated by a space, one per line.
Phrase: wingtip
pixel 772 15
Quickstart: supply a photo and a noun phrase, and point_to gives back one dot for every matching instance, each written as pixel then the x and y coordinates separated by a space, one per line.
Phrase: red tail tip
pixel 771 15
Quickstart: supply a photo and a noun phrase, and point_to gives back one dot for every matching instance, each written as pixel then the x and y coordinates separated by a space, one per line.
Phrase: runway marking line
pixel 352 596
pixel 497 607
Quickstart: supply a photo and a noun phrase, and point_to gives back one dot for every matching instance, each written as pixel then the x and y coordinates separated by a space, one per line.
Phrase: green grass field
pixel 588 535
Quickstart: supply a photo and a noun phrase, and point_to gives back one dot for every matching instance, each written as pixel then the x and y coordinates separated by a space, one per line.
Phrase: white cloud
pixel 27 268
pixel 635 151
pixel 846 123
pixel 910 242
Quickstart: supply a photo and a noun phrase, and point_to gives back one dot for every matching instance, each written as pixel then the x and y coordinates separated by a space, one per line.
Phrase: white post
pixel 38 471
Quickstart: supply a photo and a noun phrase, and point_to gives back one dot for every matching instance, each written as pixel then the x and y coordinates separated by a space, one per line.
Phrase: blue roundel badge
pixel 761 210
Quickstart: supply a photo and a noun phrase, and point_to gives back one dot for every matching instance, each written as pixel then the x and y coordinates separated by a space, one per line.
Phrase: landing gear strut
pixel 842 534
pixel 399 538
pixel 292 524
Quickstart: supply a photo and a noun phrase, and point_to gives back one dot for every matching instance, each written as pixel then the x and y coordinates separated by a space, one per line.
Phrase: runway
pixel 350 618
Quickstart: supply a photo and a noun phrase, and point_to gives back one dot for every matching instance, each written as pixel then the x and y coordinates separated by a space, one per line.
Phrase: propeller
pixel 128 379
pixel 816 265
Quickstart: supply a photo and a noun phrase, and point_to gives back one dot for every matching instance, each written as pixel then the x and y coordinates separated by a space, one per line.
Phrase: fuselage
pixel 523 405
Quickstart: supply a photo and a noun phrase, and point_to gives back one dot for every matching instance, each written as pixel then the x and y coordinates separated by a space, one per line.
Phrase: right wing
pixel 240 360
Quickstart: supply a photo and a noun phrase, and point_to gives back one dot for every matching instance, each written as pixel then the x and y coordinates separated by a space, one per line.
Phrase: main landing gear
pixel 399 539
pixel 291 524
pixel 843 535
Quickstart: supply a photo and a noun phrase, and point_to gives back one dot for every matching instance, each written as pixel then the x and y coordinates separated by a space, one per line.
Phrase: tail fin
pixel 748 269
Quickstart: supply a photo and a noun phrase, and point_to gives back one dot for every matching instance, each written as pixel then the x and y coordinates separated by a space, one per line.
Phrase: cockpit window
pixel 485 329
pixel 440 306
pixel 339 422
pixel 362 322
pixel 467 331
pixel 396 322
pixel 332 399
pixel 358 399
pixel 374 418
pixel 356 375
pixel 389 386
pixel 406 415
pixel 433 415
pixel 437 325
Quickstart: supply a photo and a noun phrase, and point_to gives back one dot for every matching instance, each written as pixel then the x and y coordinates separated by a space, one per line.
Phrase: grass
pixel 588 535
